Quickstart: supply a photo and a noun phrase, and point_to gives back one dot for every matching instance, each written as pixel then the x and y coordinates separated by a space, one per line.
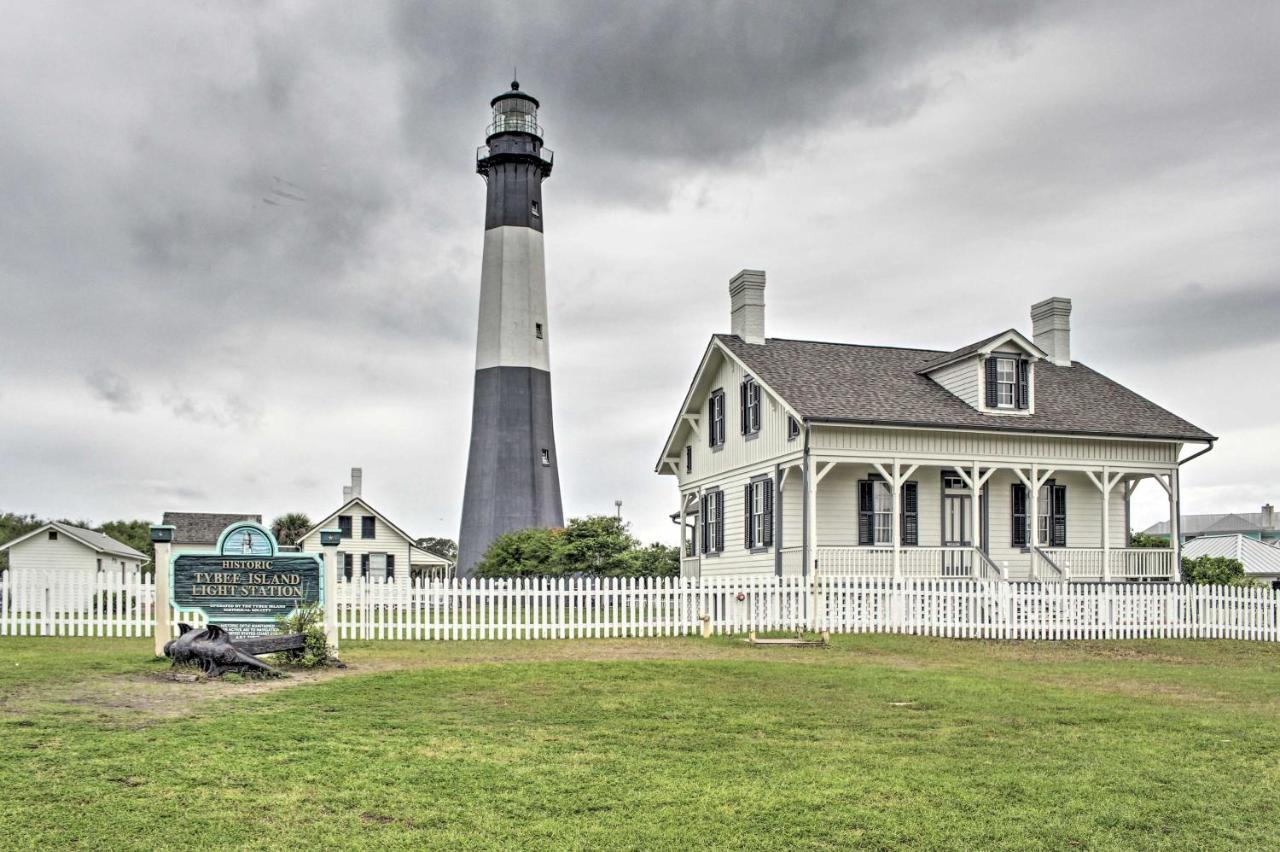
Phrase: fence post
pixel 329 543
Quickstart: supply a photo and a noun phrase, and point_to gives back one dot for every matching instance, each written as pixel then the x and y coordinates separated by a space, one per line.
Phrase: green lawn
pixel 886 742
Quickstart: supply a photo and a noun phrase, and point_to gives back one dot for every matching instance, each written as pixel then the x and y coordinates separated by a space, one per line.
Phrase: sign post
pixel 329 540
pixel 245 583
pixel 162 539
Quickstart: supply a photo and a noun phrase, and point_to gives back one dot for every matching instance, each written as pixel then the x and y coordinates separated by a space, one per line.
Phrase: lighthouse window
pixel 546 458
pixel 537 329
pixel 535 208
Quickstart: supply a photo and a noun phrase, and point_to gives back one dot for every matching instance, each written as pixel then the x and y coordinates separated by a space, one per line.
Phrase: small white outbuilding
pixel 57 547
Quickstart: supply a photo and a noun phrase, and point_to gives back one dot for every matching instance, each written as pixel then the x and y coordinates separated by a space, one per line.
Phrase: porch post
pixel 897 519
pixel 1175 524
pixel 975 516
pixel 684 531
pixel 1033 510
pixel 1106 524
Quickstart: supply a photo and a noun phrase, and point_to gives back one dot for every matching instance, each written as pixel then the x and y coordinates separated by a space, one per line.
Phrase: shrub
pixel 1213 570
pixel 309 621
pixel 523 553
pixel 595 546
pixel 1141 539
pixel 656 560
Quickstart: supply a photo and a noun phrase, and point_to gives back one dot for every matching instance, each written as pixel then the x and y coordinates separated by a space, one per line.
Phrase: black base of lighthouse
pixel 512 479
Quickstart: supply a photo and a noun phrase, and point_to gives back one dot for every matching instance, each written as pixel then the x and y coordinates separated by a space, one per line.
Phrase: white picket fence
pixel 578 608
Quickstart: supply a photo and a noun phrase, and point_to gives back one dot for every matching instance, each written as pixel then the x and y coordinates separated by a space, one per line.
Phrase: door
pixel 956 533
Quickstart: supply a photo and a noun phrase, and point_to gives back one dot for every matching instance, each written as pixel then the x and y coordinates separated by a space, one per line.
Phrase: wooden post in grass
pixel 329 543
pixel 162 538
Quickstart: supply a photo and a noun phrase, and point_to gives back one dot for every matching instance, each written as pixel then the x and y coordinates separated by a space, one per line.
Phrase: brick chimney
pixel 1051 329
pixel 353 490
pixel 746 305
pixel 1269 516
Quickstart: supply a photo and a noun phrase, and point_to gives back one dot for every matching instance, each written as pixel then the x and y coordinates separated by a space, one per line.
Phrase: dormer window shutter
pixel 910 514
pixel 1024 386
pixel 993 388
pixel 866 520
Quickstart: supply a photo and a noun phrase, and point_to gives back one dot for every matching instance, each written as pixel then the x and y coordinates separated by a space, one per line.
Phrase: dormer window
pixel 1007 382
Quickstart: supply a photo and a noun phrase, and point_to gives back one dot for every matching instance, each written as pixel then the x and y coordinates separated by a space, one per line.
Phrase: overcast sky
pixel 240 242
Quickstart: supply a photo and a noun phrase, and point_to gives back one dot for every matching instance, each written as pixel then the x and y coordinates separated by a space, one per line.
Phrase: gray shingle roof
pixel 99 542
pixel 879 384
pixel 202 527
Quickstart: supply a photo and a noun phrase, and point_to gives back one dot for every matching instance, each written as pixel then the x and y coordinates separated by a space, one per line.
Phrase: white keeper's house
pixel 372 547
pixel 1000 459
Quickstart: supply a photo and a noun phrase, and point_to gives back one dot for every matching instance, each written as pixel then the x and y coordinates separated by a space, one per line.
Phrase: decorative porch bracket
pixel 896 480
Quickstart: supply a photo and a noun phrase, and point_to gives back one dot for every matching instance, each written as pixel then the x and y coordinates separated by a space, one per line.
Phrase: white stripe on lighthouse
pixel 513 300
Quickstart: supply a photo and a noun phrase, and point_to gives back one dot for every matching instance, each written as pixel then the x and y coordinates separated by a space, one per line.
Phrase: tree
pixel 1141 539
pixel 290 528
pixel 523 553
pixel 15 526
pixel 596 545
pixel 445 548
pixel 1213 570
pixel 136 534
pixel 656 560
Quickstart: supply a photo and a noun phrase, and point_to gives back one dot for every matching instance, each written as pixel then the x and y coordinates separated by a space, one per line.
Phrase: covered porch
pixel 980 519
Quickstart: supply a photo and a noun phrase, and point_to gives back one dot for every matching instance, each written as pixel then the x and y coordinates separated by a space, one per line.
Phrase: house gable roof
pixel 95 541
pixel 345 508
pixel 1229 522
pixel 202 527
pixel 849 383
pixel 983 347
pixel 711 358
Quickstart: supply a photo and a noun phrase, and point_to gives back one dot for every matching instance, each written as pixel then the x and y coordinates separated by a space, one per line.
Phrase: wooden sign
pixel 245 584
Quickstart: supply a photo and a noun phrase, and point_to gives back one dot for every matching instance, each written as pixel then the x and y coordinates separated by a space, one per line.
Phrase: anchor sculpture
pixel 211 648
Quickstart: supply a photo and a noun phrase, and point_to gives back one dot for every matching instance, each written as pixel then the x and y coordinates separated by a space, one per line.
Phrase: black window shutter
pixel 768 513
pixel 993 392
pixel 747 526
pixel 1018 502
pixel 866 528
pixel 1024 370
pixel 391 566
pixel 1058 516
pixel 742 405
pixel 702 522
pixel 364 565
pixel 711 420
pixel 719 522
pixel 910 514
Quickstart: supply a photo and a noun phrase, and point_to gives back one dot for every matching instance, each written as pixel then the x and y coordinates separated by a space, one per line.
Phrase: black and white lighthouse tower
pixel 513 481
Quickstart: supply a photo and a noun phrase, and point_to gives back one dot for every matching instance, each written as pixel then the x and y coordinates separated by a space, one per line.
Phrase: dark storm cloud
pixel 114 389
pixel 1210 318
pixel 645 91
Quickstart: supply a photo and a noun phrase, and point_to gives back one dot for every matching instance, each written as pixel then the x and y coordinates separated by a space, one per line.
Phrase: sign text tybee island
pixel 245 584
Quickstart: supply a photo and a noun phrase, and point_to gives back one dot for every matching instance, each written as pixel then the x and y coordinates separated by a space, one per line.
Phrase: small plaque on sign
pixel 246 584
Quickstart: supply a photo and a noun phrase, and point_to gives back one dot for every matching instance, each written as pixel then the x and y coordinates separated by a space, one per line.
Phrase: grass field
pixel 886 742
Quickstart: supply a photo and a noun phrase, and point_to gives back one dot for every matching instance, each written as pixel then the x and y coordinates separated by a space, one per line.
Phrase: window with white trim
pixel 715 418
pixel 793 428
pixel 882 512
pixel 750 406
pixel 1006 382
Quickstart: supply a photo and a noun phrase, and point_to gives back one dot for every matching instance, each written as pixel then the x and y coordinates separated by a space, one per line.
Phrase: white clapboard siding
pixel 105 604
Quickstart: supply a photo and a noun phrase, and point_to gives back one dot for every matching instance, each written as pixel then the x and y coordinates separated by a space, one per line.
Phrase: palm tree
pixel 289 529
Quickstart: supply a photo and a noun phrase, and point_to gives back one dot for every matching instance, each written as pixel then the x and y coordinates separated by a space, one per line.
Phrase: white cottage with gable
pixel 1000 459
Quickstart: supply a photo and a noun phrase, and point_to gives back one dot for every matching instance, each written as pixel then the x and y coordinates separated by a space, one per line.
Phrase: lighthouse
pixel 513 479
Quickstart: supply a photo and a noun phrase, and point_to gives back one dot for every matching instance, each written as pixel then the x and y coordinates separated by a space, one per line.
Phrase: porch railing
pixel 1044 568
pixel 914 562
pixel 1127 563
pixel 792 561
pixel 690 566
